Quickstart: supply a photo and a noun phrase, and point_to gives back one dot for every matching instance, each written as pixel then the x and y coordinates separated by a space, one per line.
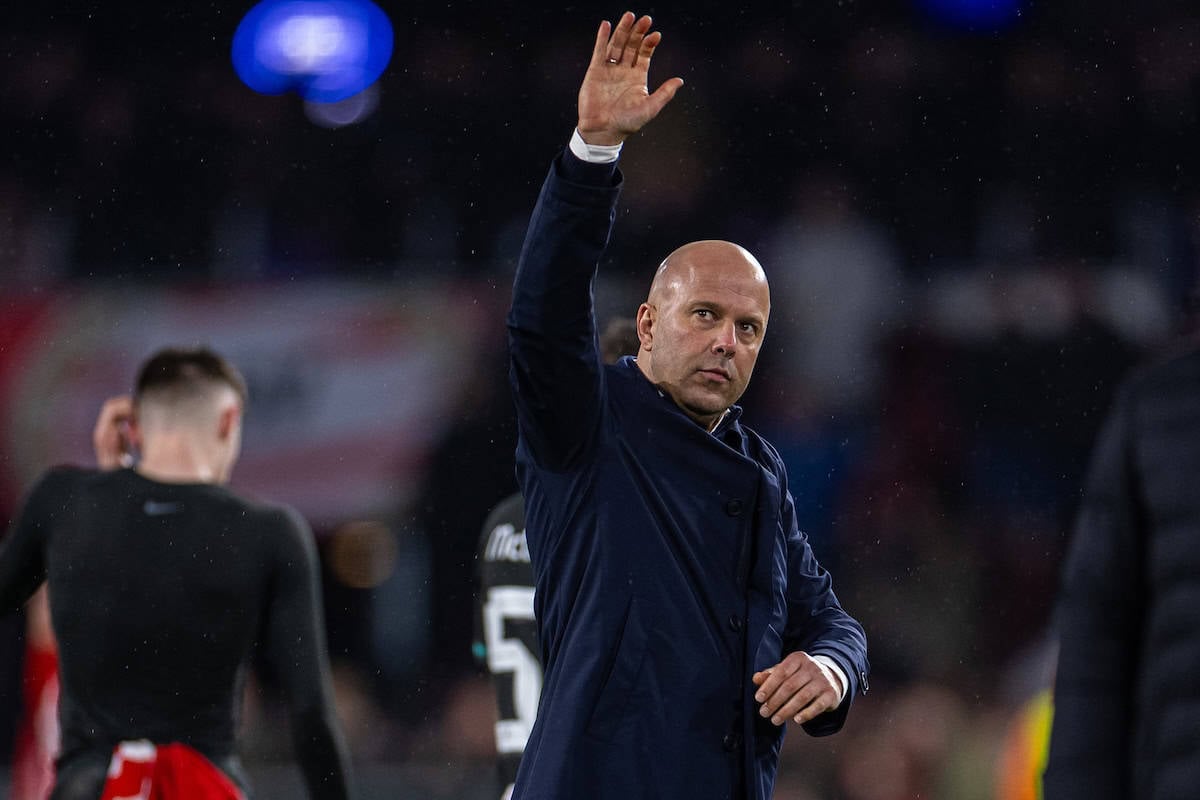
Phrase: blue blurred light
pixel 990 15
pixel 324 50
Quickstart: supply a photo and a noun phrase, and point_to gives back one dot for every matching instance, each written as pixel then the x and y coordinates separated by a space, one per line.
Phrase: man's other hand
pixel 797 688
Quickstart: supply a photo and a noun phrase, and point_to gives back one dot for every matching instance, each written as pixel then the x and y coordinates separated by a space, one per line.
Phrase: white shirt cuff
pixel 593 153
pixel 842 683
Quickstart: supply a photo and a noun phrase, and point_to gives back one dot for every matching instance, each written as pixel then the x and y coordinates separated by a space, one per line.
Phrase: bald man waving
pixel 683 619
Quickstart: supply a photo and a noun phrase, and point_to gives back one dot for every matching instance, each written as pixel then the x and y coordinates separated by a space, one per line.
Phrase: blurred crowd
pixel 135 150
pixel 970 236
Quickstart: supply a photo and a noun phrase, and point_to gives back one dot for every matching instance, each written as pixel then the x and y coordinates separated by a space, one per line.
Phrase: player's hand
pixel 797 688
pixel 113 437
pixel 614 102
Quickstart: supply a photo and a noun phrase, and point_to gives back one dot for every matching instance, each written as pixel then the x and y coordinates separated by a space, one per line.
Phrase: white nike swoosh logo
pixel 154 508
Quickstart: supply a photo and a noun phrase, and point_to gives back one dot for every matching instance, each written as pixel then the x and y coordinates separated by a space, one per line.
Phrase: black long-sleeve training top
pixel 159 594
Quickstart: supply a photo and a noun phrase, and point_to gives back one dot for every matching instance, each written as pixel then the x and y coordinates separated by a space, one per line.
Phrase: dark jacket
pixel 668 563
pixel 1127 690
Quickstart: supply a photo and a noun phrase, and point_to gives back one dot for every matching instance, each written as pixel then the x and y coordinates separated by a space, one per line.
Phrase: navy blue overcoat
pixel 668 563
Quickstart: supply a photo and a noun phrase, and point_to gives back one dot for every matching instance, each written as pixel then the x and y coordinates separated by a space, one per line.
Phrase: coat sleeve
pixel 818 625
pixel 554 363
pixel 1099 616
pixel 295 648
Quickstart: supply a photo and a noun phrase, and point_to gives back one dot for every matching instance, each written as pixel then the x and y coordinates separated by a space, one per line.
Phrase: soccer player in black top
pixel 506 631
pixel 163 582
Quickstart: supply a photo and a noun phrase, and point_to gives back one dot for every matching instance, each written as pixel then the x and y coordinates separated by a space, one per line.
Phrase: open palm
pixel 614 101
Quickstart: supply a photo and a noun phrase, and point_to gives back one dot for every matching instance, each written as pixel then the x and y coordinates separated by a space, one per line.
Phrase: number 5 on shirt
pixel 508 628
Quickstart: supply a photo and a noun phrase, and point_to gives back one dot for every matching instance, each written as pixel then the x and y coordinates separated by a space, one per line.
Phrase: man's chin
pixel 705 405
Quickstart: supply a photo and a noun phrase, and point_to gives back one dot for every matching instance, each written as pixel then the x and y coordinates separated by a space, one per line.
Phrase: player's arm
pixel 803 688
pixel 1099 612
pixel 555 366
pixel 295 647
pixel 22 550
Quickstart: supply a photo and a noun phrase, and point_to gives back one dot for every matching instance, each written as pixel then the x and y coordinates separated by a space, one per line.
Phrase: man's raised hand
pixel 614 101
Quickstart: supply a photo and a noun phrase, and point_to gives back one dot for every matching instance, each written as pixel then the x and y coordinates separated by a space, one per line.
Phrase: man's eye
pixel 703 313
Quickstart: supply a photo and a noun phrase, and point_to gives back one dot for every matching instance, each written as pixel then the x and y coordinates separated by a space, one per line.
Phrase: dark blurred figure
pixel 470 471
pixel 1126 691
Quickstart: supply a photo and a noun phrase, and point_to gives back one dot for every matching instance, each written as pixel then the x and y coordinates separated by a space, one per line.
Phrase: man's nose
pixel 725 342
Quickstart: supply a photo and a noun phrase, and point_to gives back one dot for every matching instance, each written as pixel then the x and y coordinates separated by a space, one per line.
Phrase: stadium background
pixel 972 230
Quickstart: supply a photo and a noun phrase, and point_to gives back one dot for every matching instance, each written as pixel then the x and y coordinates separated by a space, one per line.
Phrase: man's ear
pixel 227 423
pixel 646 314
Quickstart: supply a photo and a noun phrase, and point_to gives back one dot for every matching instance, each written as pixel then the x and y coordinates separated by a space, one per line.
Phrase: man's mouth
pixel 716 374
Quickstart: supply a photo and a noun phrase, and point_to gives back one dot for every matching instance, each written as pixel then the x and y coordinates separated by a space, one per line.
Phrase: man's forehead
pixel 697 283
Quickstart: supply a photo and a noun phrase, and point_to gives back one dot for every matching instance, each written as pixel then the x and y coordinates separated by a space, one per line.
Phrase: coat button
pixel 734 507
pixel 731 742
pixel 735 622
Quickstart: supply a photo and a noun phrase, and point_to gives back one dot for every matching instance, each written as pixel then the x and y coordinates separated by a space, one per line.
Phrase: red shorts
pixel 144 771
